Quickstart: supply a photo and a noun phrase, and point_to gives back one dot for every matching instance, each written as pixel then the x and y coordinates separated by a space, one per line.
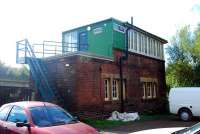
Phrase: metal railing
pixel 32 55
pixel 37 71
pixel 47 49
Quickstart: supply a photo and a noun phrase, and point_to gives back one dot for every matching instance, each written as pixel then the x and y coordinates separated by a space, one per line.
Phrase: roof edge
pixel 109 19
pixel 80 53
pixel 144 31
pixel 130 25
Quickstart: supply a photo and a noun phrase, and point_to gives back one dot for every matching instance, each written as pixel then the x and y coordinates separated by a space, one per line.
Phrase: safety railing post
pixel 26 49
pixel 17 52
pixel 43 50
pixel 55 50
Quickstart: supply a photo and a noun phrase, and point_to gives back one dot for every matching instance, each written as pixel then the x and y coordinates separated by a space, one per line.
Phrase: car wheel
pixel 185 115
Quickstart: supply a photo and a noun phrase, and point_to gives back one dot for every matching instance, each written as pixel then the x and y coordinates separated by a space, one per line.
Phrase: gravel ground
pixel 150 124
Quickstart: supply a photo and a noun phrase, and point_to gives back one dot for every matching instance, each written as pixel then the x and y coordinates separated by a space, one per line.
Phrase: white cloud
pixel 40 20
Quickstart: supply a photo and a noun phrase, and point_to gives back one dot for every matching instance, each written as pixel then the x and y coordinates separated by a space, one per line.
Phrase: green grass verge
pixel 146 117
pixel 103 123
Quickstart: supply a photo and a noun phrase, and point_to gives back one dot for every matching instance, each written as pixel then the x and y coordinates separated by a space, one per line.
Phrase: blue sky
pixel 196 8
pixel 40 20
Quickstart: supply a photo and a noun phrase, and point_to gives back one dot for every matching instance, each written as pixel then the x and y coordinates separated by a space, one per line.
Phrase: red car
pixel 33 117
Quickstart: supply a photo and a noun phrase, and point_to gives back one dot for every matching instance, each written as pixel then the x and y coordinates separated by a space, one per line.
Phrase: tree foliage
pixel 11 73
pixel 183 67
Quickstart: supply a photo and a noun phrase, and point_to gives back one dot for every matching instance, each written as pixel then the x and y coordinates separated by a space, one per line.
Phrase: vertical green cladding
pixel 100 38
pixel 118 35
pixel 105 36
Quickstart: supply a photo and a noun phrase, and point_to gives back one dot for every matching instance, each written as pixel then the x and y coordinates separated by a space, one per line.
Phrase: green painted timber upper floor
pixel 99 38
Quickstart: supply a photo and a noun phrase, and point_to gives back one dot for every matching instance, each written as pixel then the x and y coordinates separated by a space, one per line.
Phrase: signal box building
pixel 83 75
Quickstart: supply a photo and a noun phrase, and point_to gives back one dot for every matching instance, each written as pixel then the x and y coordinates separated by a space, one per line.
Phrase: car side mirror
pixel 22 124
pixel 76 118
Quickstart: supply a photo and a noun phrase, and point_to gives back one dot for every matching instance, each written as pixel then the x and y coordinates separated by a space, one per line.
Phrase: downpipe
pixel 121 60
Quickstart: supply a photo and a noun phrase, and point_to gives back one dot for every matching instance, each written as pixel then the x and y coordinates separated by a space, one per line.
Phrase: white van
pixel 185 101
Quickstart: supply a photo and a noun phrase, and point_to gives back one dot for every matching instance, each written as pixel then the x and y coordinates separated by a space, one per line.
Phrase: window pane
pixel 124 89
pixel 158 49
pixel 145 44
pixel 106 88
pixel 129 39
pixel 4 112
pixel 149 90
pixel 151 51
pixel 39 116
pixel 144 90
pixel 115 90
pixel 135 41
pixel 142 43
pixel 154 90
pixel 138 42
pixel 50 116
pixel 132 39
pixel 161 52
pixel 70 42
pixel 149 48
pixel 154 48
pixel 17 114
pixel 149 87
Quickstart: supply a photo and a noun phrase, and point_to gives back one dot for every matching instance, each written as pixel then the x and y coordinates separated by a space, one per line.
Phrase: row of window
pixel 143 44
pixel 149 90
pixel 111 88
pixel 74 41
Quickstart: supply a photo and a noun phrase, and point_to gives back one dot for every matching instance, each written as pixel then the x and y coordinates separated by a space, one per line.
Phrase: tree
pixel 7 72
pixel 183 67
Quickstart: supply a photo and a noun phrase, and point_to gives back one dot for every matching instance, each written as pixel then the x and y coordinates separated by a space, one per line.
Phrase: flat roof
pixel 126 23
pixel 80 53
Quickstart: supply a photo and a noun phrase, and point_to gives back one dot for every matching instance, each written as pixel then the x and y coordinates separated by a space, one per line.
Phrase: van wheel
pixel 185 114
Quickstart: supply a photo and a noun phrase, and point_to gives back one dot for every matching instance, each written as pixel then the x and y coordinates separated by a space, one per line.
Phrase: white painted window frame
pixel 115 90
pixel 106 89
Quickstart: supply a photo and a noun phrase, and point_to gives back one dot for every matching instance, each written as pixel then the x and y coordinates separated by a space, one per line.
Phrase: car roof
pixel 28 104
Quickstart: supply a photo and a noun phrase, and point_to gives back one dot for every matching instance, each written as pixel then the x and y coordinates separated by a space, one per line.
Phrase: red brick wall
pixel 135 67
pixel 81 84
pixel 64 79
pixel 141 66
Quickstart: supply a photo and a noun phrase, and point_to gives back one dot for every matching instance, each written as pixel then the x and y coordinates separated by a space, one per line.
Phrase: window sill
pixel 149 99
pixel 106 99
pixel 115 99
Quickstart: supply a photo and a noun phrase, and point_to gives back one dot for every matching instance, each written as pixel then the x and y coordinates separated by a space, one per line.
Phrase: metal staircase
pixel 39 72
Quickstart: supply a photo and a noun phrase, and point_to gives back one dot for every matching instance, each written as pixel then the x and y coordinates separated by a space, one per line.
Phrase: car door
pixel 1 126
pixel 4 111
pixel 17 114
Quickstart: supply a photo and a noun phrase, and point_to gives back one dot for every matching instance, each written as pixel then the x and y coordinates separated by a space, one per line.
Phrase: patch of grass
pixel 102 123
pixel 146 117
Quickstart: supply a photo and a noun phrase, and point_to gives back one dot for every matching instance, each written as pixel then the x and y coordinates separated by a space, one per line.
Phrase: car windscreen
pixel 44 116
pixel 189 130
